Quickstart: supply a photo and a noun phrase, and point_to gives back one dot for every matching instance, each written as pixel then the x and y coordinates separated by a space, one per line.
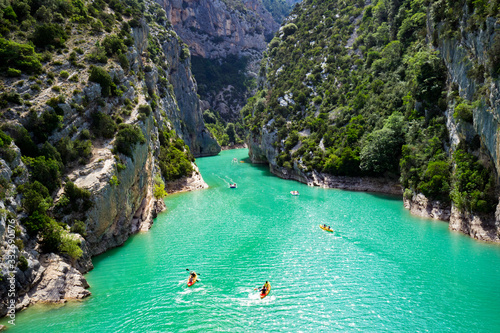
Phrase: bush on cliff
pixel 103 125
pixel 36 197
pixel 159 188
pixel 128 135
pixel 100 76
pixel 473 186
pixel 20 56
pixel 49 34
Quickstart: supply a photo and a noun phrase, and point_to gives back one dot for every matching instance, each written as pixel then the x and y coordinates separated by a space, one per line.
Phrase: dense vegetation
pixel 356 90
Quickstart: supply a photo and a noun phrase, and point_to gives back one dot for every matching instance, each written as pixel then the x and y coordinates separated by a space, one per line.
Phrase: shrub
pixel 10 97
pixel 46 124
pixel 22 139
pixel 70 246
pixel 5 140
pixel 113 181
pixel 98 55
pixel 145 109
pixel 473 185
pixel 79 198
pixel 46 171
pixel 122 58
pixel 23 263
pixel 463 111
pixel 51 236
pixel 79 227
pixel 12 72
pixel 407 194
pixel 113 45
pixel 36 197
pixel 100 76
pixel 64 74
pixel 49 34
pixel 103 125
pixel 184 53
pixel 4 187
pixel 128 136
pixel 436 182
pixel 19 56
pixel 159 188
pixel 289 29
pixel 36 222
pixel 70 150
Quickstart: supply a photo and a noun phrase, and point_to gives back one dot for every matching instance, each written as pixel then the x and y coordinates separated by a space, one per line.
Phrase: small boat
pixel 264 294
pixel 232 185
pixel 326 228
pixel 192 280
pixel 294 192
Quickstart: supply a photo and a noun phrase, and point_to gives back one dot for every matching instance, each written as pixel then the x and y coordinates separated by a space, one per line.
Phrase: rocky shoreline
pixel 361 184
pixel 235 146
pixel 481 227
pixel 188 184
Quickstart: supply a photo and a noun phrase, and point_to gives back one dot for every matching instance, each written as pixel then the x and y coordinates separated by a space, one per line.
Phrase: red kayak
pixel 192 280
pixel 267 291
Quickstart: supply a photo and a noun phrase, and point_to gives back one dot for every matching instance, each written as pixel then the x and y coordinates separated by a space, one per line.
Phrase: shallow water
pixel 381 270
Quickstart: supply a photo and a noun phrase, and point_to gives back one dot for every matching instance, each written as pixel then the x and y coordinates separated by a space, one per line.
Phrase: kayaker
pixel 264 288
pixel 192 276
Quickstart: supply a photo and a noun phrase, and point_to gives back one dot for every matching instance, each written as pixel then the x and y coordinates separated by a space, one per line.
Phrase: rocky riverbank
pixel 235 146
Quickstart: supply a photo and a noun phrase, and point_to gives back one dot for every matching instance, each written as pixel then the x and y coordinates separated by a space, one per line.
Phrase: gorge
pixel 101 117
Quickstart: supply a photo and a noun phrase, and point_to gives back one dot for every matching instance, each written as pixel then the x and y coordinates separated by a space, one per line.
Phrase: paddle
pixel 187 269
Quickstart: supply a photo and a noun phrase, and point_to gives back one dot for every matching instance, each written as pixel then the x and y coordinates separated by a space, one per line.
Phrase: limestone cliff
pixel 152 118
pixel 218 29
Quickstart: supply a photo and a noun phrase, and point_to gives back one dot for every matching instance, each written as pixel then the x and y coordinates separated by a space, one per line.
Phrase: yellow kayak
pixel 192 280
pixel 264 294
pixel 326 228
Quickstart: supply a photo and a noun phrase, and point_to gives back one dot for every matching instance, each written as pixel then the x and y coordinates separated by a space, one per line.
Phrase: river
pixel 381 270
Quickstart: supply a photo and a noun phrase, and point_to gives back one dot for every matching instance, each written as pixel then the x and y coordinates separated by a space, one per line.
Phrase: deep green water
pixel 382 270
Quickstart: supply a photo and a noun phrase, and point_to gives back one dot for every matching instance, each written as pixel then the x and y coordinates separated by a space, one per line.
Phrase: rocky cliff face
pixel 461 57
pixel 218 29
pixel 187 116
pixel 121 185
pixel 215 29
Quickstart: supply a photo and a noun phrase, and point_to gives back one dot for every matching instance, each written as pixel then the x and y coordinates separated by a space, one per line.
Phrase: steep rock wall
pixel 187 114
pixel 212 29
pixel 460 57
pixel 217 29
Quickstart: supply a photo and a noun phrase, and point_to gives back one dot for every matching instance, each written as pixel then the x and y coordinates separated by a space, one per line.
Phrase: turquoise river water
pixel 381 270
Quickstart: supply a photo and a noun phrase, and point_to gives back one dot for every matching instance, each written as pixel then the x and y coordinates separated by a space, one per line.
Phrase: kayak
pixel 262 294
pixel 325 228
pixel 192 281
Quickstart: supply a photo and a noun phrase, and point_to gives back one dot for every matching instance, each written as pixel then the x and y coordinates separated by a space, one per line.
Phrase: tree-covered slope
pixel 355 89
